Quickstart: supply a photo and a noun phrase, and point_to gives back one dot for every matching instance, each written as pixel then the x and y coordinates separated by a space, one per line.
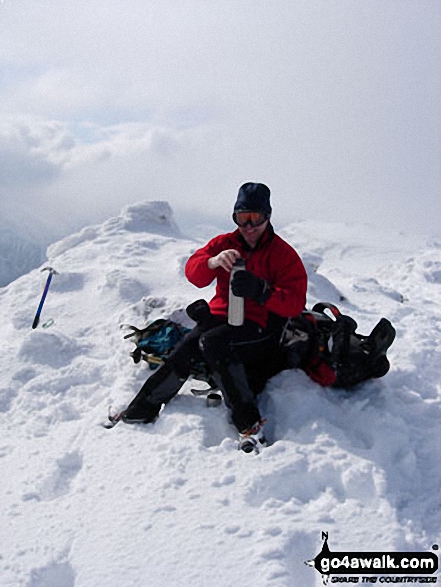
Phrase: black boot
pixel 381 337
pixel 233 382
pixel 157 390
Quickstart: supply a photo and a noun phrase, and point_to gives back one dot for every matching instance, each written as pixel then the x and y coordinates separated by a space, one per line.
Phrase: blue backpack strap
pixel 163 339
pixel 155 341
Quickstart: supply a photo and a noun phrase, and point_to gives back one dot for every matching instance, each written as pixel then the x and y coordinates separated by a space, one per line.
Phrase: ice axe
pixel 43 297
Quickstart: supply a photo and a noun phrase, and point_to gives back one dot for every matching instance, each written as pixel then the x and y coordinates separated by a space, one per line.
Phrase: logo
pixel 420 565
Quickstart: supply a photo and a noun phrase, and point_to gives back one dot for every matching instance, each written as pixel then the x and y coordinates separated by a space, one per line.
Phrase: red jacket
pixel 273 260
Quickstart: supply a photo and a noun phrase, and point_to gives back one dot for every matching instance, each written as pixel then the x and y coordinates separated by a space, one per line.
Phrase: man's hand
pixel 247 285
pixel 225 259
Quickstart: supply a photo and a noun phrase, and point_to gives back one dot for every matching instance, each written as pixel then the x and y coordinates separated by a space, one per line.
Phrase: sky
pixel 334 104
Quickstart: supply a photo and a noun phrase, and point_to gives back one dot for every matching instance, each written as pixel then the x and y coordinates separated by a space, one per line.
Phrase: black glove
pixel 199 311
pixel 247 285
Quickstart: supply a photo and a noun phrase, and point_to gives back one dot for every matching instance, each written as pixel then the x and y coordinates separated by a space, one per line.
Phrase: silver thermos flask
pixel 235 303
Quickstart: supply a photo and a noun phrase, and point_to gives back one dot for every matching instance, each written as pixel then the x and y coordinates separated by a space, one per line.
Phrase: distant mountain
pixel 23 241
pixel 21 249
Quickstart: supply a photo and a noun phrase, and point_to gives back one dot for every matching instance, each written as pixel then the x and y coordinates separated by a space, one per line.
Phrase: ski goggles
pixel 243 217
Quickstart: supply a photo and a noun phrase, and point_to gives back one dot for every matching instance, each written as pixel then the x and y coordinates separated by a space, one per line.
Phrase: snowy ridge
pixel 175 503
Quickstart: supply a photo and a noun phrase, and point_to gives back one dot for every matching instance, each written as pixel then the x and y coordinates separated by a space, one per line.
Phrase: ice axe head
pixel 51 270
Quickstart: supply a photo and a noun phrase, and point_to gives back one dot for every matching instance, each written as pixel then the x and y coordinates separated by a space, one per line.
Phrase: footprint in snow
pixel 52 349
pixel 56 574
pixel 6 397
pixel 59 481
pixel 68 282
pixel 295 481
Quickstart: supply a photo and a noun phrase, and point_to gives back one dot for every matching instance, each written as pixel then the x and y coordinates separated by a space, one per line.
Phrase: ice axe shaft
pixel 43 297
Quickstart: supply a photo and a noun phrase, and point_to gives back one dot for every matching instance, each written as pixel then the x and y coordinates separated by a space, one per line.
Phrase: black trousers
pixel 240 360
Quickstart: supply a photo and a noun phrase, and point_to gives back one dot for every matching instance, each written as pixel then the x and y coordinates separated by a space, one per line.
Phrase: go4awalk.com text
pixel 383 580
pixel 375 567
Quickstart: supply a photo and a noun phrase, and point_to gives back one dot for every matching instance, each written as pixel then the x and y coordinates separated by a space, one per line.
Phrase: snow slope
pixel 175 503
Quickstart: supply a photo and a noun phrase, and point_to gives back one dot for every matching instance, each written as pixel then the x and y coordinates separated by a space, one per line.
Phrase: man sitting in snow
pixel 240 358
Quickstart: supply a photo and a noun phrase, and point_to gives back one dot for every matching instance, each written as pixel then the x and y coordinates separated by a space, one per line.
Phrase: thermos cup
pixel 235 303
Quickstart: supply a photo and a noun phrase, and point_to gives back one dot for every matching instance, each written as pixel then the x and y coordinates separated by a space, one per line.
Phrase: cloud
pixel 333 104
pixel 32 155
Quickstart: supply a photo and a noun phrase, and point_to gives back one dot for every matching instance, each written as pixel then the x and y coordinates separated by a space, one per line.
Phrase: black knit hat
pixel 254 197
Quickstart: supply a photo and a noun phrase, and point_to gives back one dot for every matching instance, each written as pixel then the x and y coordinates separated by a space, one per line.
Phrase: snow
pixel 175 503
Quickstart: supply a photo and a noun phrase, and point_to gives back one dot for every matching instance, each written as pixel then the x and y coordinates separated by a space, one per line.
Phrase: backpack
pixel 324 343
pixel 155 341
